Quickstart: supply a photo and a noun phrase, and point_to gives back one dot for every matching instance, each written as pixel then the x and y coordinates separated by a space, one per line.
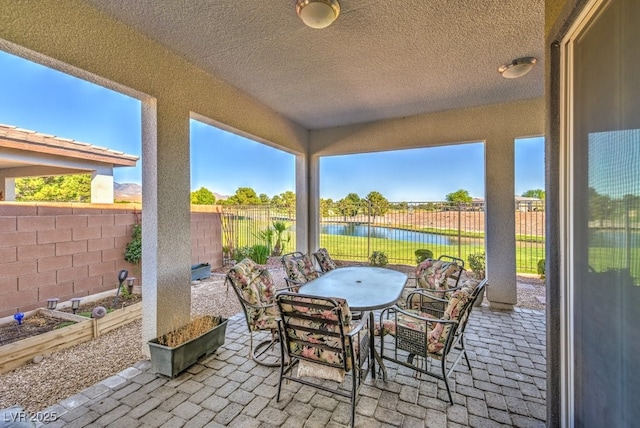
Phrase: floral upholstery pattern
pixel 434 274
pixel 317 336
pixel 258 290
pixel 331 325
pixel 299 268
pixel 313 334
pixel 324 260
pixel 435 332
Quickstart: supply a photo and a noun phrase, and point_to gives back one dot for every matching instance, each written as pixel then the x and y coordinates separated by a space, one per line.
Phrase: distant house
pixel 25 153
pixel 529 204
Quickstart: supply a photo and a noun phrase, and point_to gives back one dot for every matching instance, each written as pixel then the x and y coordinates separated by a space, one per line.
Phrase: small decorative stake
pixel 75 304
pixel 18 317
pixel 130 282
pixel 52 303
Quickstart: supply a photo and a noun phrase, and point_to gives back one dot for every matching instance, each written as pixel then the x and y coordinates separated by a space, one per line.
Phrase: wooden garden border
pixel 17 353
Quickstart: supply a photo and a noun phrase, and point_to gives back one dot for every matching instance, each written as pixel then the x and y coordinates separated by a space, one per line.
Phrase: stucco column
pixel 8 188
pixel 500 222
pixel 102 185
pixel 307 203
pixel 166 219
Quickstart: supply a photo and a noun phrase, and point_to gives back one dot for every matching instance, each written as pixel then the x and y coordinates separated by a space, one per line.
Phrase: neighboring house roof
pixel 12 137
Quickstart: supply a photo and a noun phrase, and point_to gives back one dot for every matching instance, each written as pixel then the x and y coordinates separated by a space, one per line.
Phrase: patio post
pixel 166 218
pixel 500 222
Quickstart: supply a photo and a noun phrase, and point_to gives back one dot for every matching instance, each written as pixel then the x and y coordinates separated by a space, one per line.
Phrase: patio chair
pixel 299 268
pixel 324 260
pixel 441 274
pixel 256 291
pixel 421 339
pixel 438 278
pixel 317 336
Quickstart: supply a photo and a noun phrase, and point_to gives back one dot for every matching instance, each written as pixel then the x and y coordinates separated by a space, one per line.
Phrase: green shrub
pixel 260 254
pixel 133 250
pixel 422 255
pixel 477 264
pixel 242 253
pixel 541 268
pixel 378 258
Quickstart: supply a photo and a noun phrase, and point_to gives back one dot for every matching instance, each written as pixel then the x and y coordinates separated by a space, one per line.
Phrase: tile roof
pixel 32 141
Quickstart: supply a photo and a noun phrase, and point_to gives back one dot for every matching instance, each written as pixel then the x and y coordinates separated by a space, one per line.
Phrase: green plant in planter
pixel 541 268
pixel 378 258
pixel 477 264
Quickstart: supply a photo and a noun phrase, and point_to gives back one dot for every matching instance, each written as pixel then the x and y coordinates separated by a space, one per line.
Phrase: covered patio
pixel 507 388
pixel 385 76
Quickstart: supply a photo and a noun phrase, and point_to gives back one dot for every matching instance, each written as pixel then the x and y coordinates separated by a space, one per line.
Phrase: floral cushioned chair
pixel 437 278
pixel 324 260
pixel 299 268
pixel 420 337
pixel 256 291
pixel 317 336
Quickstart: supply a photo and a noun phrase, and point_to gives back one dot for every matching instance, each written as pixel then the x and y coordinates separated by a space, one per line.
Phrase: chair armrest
pixel 293 283
pixel 252 306
pixel 428 294
pixel 360 325
pixel 425 319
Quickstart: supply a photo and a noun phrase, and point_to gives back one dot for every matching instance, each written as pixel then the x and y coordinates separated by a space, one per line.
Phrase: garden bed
pixel 47 338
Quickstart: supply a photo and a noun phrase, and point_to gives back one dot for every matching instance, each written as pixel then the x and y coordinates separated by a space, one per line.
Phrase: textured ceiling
pixel 380 58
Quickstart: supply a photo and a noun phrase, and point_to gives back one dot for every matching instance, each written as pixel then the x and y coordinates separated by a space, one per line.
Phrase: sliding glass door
pixel 602 215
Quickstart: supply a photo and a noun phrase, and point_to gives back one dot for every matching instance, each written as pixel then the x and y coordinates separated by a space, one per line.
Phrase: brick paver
pixel 506 386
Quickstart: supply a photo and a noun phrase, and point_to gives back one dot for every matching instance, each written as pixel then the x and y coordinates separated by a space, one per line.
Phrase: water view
pixel 363 230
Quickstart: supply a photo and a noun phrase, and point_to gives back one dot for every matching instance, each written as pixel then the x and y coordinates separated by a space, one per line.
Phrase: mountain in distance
pixel 132 192
pixel 129 192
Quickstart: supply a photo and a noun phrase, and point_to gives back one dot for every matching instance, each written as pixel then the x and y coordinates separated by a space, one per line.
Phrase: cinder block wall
pixel 73 250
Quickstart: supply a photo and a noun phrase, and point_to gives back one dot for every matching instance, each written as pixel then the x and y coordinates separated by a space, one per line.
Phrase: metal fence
pixel 354 231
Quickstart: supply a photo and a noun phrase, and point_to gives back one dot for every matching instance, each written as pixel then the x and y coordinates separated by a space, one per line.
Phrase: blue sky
pixel 41 99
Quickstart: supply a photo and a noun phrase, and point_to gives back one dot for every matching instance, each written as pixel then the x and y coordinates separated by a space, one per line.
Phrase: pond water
pixel 363 230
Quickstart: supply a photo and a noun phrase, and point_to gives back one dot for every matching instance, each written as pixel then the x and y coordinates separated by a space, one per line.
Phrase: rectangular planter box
pixel 200 271
pixel 17 353
pixel 170 362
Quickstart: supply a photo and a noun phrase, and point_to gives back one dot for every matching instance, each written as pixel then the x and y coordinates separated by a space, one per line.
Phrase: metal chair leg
pixel 262 347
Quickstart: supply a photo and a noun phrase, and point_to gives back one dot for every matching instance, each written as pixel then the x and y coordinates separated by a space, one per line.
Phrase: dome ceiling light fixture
pixel 518 67
pixel 318 13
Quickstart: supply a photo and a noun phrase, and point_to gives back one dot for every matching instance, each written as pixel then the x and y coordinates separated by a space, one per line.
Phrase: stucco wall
pixel 74 250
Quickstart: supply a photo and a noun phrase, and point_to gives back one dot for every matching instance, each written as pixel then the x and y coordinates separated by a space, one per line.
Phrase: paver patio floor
pixel 508 388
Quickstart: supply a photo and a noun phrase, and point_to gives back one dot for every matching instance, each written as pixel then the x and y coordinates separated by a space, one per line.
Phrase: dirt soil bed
pixel 31 326
pixel 42 323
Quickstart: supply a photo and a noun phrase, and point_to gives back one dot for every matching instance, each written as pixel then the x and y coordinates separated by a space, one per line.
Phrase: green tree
pixel 326 206
pixel 244 196
pixel 459 195
pixel 285 201
pixel 349 206
pixel 279 228
pixel 61 188
pixel 534 193
pixel 600 206
pixel 378 203
pixel 264 199
pixel 203 196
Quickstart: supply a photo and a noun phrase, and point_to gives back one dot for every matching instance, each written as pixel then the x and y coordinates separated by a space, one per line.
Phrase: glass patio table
pixel 365 289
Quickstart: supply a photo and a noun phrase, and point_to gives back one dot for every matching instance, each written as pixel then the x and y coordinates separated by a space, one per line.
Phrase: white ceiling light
pixel 518 67
pixel 318 13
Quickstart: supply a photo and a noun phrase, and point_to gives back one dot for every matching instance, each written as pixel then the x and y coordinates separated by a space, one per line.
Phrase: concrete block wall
pixel 73 250
pixel 206 235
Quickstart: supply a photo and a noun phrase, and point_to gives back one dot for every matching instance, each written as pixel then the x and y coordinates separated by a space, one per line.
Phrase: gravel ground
pixel 64 373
